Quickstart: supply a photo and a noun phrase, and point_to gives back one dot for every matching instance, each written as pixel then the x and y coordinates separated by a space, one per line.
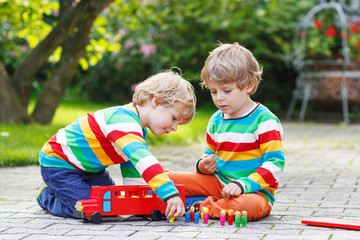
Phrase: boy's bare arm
pixel 207 165
pixel 175 207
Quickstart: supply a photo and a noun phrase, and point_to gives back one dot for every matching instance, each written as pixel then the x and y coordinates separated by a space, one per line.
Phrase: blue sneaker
pixel 40 196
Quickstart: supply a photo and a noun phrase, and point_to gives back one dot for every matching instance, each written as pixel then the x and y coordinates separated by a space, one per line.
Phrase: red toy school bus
pixel 122 200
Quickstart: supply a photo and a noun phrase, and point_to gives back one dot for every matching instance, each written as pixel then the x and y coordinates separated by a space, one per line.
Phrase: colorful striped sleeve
pixel 211 144
pixel 266 177
pixel 123 128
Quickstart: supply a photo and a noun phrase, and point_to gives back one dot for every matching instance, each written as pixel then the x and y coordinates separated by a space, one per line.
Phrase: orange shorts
pixel 256 204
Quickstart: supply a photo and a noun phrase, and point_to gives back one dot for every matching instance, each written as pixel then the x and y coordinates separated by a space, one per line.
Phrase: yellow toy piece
pixel 206 210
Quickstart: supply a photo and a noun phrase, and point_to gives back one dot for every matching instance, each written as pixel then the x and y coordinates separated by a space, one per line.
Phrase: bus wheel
pixel 155 215
pixel 96 218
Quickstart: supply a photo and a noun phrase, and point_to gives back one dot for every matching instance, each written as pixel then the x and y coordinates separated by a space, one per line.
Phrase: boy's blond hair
pixel 170 90
pixel 229 63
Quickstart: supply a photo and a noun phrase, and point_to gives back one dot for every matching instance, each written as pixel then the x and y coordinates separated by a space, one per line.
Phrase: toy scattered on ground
pixel 170 220
pixel 237 219
pixel 205 215
pixel 141 200
pixel 244 218
pixel 202 214
pixel 332 222
pixel 230 216
pixel 122 200
pixel 222 217
pixel 187 217
pixel 196 217
pixel 192 213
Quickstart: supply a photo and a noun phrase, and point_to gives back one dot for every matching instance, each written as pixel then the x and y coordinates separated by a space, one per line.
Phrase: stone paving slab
pixel 321 179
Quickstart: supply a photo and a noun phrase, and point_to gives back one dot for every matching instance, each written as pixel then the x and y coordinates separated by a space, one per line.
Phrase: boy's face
pixel 164 120
pixel 232 101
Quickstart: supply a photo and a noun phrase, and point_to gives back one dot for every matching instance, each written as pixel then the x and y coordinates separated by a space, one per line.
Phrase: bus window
pixel 107 195
pixel 107 204
pixel 122 194
pixel 134 194
pixel 147 194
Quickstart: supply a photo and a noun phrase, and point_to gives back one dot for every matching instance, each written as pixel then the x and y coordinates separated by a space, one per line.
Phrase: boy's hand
pixel 207 164
pixel 231 190
pixel 175 207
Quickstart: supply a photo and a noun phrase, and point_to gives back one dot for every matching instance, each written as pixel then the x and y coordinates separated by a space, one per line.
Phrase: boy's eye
pixel 227 91
pixel 174 118
pixel 213 92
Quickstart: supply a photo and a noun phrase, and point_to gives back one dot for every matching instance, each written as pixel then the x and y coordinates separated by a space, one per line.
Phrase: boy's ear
pixel 250 86
pixel 154 102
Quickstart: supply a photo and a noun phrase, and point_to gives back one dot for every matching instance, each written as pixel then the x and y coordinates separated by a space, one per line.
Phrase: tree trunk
pixel 11 110
pixel 25 73
pixel 72 50
pixel 14 103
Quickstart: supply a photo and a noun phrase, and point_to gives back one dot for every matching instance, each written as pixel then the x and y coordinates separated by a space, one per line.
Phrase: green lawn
pixel 20 144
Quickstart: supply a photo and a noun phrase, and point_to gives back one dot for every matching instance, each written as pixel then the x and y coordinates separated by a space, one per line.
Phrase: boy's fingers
pixel 205 159
pixel 239 192
pixel 167 210
pixel 209 158
pixel 214 167
pixel 170 212
pixel 224 194
pixel 234 192
pixel 178 213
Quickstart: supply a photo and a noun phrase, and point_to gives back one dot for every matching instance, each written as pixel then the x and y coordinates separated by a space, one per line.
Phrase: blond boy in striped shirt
pixel 76 157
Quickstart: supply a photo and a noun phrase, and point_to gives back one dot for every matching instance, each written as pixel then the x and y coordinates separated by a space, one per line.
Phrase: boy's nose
pixel 174 127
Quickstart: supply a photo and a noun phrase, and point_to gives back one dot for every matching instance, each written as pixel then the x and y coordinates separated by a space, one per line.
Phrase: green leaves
pixel 22 26
pixel 180 33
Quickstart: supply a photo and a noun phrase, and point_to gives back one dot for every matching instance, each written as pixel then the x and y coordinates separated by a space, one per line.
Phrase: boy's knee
pixel 256 205
pixel 68 211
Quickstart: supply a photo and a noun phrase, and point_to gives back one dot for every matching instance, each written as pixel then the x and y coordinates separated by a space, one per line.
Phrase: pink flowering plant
pixel 325 35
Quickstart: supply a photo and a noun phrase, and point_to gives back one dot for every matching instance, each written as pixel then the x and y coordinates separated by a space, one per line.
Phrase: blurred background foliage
pixel 132 40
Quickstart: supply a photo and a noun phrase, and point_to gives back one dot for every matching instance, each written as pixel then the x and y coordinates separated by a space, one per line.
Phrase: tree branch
pixel 73 49
pixel 25 73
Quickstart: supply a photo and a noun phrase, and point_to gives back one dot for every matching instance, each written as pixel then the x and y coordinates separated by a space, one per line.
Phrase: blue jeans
pixel 67 186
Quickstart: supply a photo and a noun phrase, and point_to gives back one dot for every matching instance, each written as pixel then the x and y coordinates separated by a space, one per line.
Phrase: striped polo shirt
pixel 107 137
pixel 248 150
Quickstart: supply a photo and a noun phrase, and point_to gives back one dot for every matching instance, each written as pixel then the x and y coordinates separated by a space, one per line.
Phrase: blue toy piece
pixel 187 217
pixel 196 217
